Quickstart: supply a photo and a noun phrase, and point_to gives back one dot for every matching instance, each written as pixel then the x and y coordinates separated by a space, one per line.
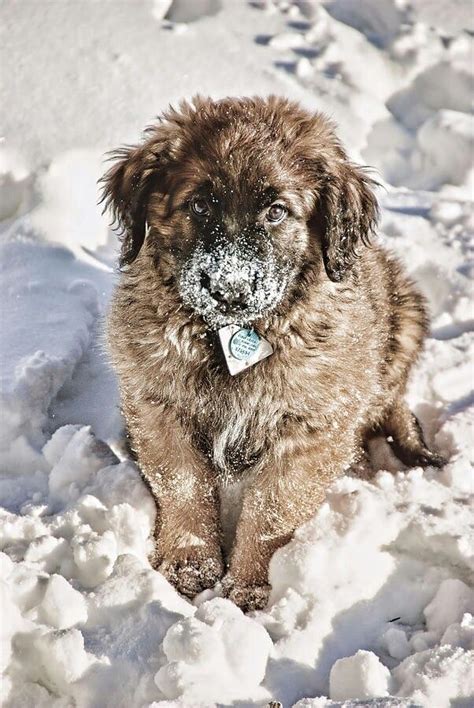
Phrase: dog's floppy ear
pixel 125 191
pixel 137 169
pixel 348 216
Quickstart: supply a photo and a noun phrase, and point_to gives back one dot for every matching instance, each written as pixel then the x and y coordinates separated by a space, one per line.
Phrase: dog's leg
pixel 408 442
pixel 187 532
pixel 282 496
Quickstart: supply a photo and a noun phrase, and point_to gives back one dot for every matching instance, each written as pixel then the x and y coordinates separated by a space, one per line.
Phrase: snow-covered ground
pixel 372 602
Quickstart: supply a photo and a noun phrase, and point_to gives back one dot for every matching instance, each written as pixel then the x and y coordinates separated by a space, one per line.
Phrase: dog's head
pixel 239 195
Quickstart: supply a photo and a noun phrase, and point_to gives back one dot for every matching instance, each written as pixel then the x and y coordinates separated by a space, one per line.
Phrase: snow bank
pixel 434 122
pixel 413 85
pixel 371 602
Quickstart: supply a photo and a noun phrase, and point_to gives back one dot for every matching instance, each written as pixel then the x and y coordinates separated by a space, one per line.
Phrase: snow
pixel 62 606
pixel 219 654
pixel 358 676
pixel 372 601
pixel 448 606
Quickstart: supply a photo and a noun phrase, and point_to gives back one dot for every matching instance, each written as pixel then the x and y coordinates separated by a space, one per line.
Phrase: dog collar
pixel 242 347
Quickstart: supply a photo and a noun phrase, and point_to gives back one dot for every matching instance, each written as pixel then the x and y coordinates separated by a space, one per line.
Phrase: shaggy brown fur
pixel 345 323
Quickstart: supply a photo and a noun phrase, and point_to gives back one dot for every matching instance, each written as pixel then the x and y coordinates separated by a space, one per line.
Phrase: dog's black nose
pixel 229 291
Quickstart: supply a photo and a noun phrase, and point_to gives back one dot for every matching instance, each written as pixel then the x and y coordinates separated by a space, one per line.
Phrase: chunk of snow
pixel 184 11
pixel 460 634
pixel 94 556
pixel 447 85
pixel 358 676
pixel 437 677
pixel 47 552
pixel 452 600
pixel 445 145
pixel 219 654
pixel 380 20
pixel 62 606
pixel 396 642
pixel 12 621
pixel 286 40
pixel 60 658
pixel 81 457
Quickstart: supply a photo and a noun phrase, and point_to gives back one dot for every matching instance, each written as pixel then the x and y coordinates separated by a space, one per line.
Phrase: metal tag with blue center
pixel 242 347
pixel 244 343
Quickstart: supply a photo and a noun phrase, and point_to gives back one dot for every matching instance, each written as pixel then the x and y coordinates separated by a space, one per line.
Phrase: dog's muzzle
pixel 230 289
pixel 231 284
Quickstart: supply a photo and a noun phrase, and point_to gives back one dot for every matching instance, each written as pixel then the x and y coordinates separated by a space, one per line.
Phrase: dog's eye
pixel 199 206
pixel 276 213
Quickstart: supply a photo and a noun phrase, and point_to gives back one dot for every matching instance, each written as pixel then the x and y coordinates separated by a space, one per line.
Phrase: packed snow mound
pixel 361 675
pixel 372 601
pixel 216 655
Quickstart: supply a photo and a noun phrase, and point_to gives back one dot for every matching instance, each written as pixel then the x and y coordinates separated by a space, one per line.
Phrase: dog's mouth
pixel 230 286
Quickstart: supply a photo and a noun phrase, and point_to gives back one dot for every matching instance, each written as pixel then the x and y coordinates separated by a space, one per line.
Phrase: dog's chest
pixel 233 419
pixel 234 428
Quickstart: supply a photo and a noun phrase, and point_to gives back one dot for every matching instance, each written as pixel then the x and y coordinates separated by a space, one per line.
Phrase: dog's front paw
pixel 428 458
pixel 190 574
pixel 247 597
pixel 422 457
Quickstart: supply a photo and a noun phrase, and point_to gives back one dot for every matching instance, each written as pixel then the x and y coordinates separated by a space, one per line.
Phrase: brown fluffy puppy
pixel 247 211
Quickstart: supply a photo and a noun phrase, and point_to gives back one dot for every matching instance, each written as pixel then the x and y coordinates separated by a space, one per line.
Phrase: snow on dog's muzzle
pixel 231 284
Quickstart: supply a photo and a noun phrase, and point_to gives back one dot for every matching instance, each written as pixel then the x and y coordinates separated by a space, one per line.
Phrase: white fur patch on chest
pixel 229 436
